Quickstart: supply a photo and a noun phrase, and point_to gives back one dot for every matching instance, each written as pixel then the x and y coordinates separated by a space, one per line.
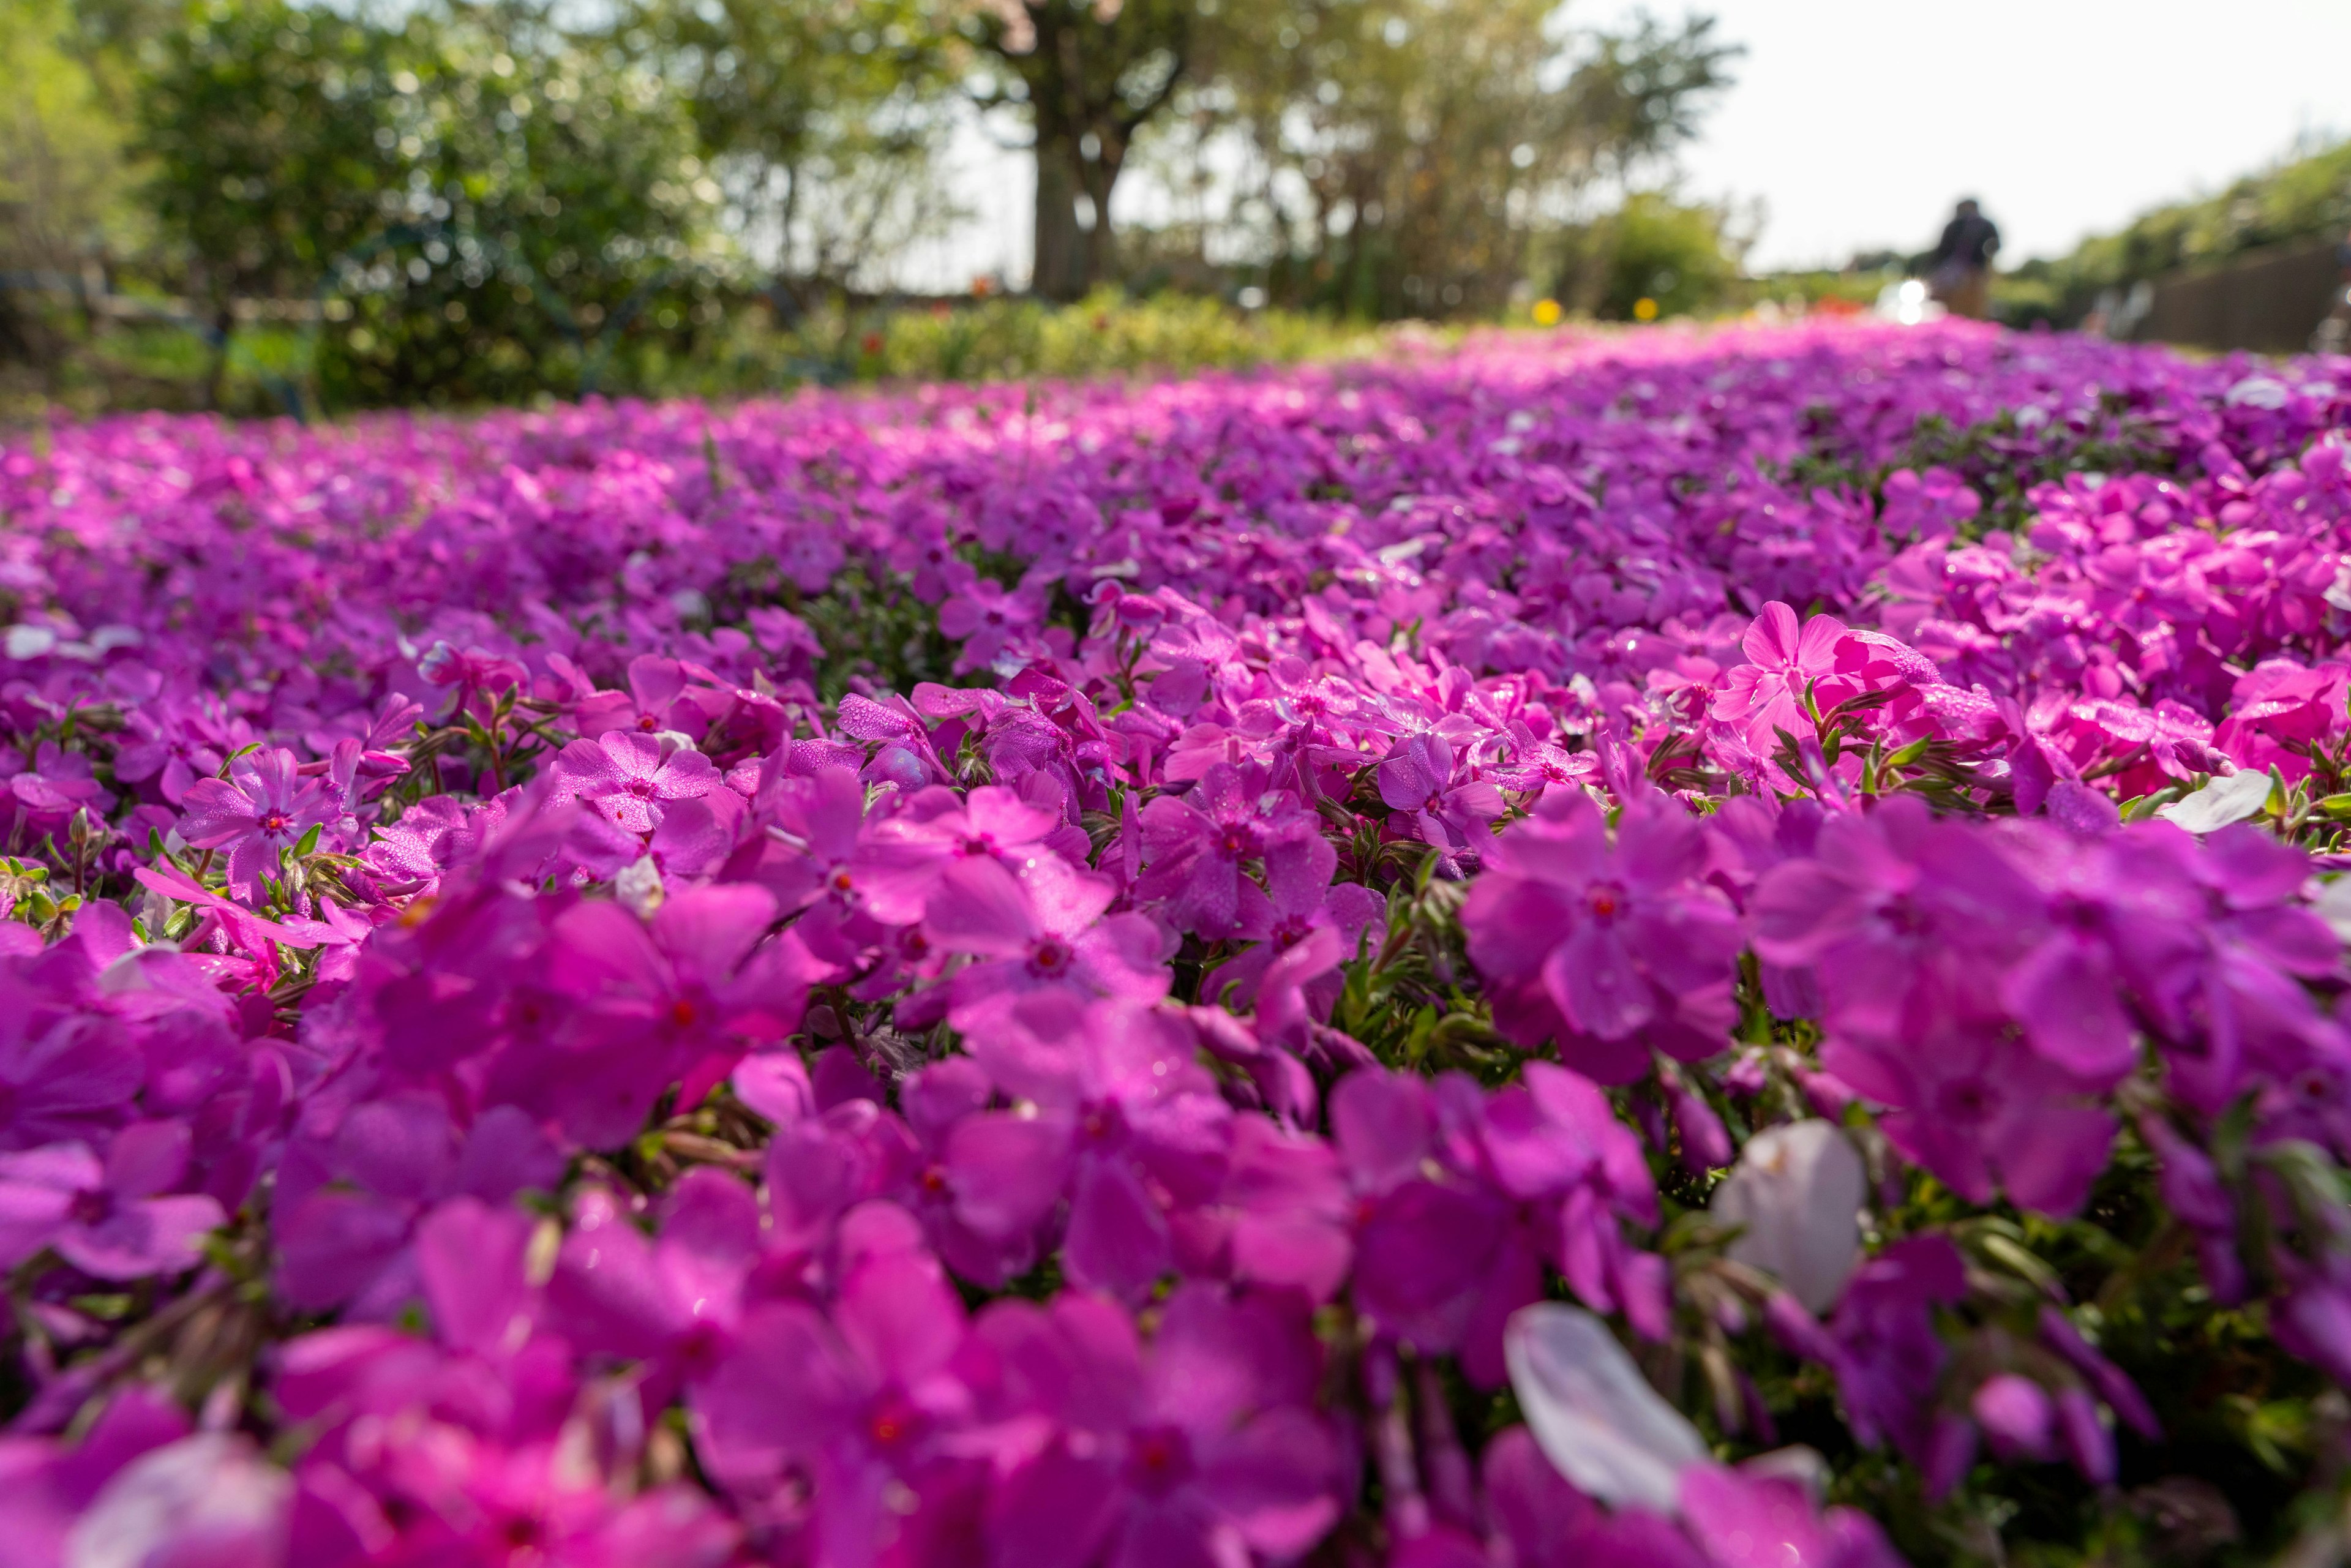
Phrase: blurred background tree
pixel 450 201
pixel 823 125
pixel 1407 153
pixel 465 195
pixel 66 203
pixel 1090 76
pixel 1680 257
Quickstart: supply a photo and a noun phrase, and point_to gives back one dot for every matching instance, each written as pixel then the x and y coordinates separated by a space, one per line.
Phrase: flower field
pixel 1686 950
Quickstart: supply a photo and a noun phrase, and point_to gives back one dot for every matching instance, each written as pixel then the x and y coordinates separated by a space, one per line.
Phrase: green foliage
pixel 478 202
pixel 1680 257
pixel 2305 199
pixel 1006 340
pixel 64 176
pixel 258 119
pixel 1101 335
pixel 1433 143
pixel 822 124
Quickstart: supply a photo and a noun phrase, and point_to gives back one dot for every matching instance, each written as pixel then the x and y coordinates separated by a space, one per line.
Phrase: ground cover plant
pixel 1685 950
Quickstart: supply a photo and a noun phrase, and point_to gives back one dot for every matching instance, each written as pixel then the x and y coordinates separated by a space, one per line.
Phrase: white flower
pixel 212 1491
pixel 2259 391
pixel 1591 1412
pixel 639 887
pixel 1798 1190
pixel 2221 802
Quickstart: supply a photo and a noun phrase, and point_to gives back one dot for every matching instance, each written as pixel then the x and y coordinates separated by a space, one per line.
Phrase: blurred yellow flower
pixel 1645 310
pixel 1547 313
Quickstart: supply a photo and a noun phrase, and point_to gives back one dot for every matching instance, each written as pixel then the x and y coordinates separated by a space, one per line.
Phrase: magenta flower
pixel 1887 1353
pixel 1889 903
pixel 673 1302
pixel 1984 1114
pixel 262 807
pixel 1419 782
pixel 1140 1134
pixel 985 616
pixel 110 1217
pixel 866 1399
pixel 2279 710
pixel 1745 1520
pixel 176 743
pixel 650 704
pixel 1611 950
pixel 629 778
pixel 1462 1203
pixel 901 864
pixel 1205 1445
pixel 350 1196
pixel 1045 932
pixel 680 997
pixel 62 1077
pixel 1196 846
pixel 1786 663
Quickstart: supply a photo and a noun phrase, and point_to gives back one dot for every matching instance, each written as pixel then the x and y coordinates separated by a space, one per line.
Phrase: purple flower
pixel 106 1218
pixel 1748 1520
pixel 866 1400
pixel 1788 665
pixel 1207 1445
pixel 1610 950
pixel 985 616
pixel 629 778
pixel 176 744
pixel 1196 845
pixel 64 1075
pixel 650 704
pixel 350 1194
pixel 1299 902
pixel 680 996
pixel 1888 1356
pixel 2015 1412
pixel 673 1302
pixel 900 865
pixel 1043 933
pixel 1983 1115
pixel 1142 1135
pixel 1418 782
pixel 262 807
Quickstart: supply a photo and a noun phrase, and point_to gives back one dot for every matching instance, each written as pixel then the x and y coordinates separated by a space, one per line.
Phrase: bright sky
pixel 1859 123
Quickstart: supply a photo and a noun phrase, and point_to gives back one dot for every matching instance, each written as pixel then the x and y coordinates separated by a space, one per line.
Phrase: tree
pixel 475 196
pixel 259 120
pixel 1405 153
pixel 822 124
pixel 1091 74
pixel 1680 257
pixel 64 176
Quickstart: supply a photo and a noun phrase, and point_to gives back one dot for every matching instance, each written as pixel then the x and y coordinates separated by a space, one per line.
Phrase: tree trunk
pixel 1102 245
pixel 1061 270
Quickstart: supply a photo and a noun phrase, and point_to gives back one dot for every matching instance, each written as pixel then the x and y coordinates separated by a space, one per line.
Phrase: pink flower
pixel 627 778
pixel 106 1218
pixel 1769 695
pixel 1044 933
pixel 1419 781
pixel 263 807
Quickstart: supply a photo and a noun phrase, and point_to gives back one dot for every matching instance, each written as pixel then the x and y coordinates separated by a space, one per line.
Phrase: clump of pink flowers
pixel 1580 950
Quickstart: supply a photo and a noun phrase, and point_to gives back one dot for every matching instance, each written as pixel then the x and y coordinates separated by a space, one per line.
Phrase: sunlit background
pixel 310 206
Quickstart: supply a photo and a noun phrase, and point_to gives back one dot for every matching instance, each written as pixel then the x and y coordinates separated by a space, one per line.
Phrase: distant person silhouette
pixel 1960 270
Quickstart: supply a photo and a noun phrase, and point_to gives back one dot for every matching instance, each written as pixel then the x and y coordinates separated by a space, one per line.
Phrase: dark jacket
pixel 1969 241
